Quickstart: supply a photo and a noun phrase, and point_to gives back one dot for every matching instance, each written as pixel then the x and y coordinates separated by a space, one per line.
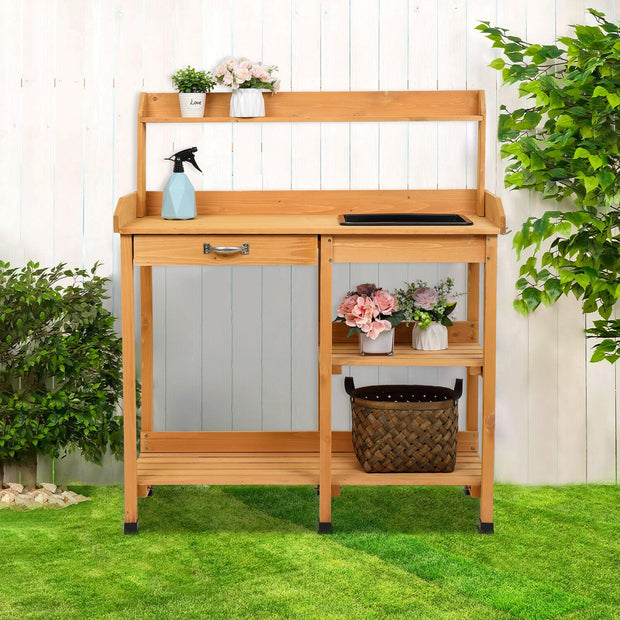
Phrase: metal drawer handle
pixel 224 249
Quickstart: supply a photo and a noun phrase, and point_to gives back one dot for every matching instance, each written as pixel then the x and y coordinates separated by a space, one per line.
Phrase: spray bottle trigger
pixel 192 161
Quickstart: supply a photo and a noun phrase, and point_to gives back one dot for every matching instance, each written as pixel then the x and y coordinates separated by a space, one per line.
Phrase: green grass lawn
pixel 252 552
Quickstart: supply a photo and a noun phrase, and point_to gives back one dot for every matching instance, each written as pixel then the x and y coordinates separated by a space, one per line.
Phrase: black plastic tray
pixel 404 219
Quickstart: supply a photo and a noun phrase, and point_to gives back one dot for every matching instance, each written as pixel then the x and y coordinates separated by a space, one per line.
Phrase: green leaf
pixel 531 297
pixel 531 119
pixel 564 229
pixel 605 178
pixel 581 153
pixel 596 162
pixel 564 121
pixel 582 279
pixel 613 99
pixel 498 64
pixel 520 306
pixel 590 183
pixel 553 288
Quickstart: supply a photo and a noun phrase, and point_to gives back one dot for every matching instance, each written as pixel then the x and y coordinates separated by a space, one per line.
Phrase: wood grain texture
pixel 325 378
pixel 427 249
pixel 146 346
pixel 308 201
pixel 494 211
pixel 282 468
pixel 459 354
pixel 328 107
pixel 129 380
pixel 256 224
pixel 189 250
pixel 488 390
pixel 242 441
pixel 125 212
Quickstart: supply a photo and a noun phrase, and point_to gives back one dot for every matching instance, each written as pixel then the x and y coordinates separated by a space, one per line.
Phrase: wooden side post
pixel 141 167
pixel 473 318
pixel 129 385
pixel 146 340
pixel 481 152
pixel 488 391
pixel 325 383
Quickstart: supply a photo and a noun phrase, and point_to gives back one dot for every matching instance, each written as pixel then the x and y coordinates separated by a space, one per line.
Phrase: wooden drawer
pixel 218 250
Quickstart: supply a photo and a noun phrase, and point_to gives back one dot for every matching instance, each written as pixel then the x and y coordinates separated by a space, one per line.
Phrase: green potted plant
pixel 429 309
pixel 193 87
pixel 60 367
pixel 565 144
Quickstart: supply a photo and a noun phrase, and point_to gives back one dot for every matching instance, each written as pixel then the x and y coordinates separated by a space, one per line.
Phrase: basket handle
pixel 349 386
pixel 458 389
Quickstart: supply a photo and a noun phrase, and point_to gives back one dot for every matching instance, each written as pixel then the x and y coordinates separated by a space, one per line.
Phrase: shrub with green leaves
pixel 565 144
pixel 191 81
pixel 60 364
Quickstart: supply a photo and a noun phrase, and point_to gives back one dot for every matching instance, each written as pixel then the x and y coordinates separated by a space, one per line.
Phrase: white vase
pixel 431 338
pixel 247 103
pixel 192 104
pixel 383 344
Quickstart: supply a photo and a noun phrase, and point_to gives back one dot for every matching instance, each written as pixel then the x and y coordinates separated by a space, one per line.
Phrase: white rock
pixel 74 498
pixel 55 500
pixel 25 501
pixel 7 497
pixel 41 498
pixel 48 486
pixel 15 487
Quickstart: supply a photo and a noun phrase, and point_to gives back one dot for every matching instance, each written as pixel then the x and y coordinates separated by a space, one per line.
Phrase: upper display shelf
pixel 327 106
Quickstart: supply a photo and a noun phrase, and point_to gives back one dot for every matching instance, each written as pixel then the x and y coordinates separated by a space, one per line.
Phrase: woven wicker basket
pixel 405 428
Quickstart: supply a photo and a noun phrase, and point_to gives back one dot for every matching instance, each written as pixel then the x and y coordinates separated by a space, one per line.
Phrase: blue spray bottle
pixel 179 201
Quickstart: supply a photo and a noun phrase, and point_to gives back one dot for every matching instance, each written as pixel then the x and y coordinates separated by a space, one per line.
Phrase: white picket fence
pixel 235 348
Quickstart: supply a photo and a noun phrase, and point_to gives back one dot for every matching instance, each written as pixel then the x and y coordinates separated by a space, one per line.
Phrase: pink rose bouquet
pixel 243 73
pixel 369 310
pixel 424 305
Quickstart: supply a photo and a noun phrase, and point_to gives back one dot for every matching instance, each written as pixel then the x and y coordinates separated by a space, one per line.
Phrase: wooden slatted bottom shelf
pixel 467 354
pixel 286 468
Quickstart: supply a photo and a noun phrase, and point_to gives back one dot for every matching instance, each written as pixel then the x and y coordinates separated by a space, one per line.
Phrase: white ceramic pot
pixel 431 338
pixel 192 104
pixel 247 103
pixel 383 344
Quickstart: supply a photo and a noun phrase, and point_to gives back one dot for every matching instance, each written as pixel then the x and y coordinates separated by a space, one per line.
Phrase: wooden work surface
pixel 290 225
pixel 311 212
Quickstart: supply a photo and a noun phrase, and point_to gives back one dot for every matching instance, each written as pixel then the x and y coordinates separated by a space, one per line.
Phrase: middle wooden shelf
pixel 463 350
pixel 458 354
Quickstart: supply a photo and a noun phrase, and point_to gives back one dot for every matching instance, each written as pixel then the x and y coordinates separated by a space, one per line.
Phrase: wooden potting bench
pixel 302 228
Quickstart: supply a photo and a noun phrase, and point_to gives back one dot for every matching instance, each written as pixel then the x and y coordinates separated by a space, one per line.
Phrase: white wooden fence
pixel 235 348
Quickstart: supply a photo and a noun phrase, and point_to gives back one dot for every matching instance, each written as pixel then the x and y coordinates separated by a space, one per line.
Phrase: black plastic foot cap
pixel 326 528
pixel 131 528
pixel 485 528
pixel 466 491
pixel 149 493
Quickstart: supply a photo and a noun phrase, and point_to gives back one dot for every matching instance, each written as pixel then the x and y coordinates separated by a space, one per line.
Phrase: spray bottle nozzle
pixel 182 156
